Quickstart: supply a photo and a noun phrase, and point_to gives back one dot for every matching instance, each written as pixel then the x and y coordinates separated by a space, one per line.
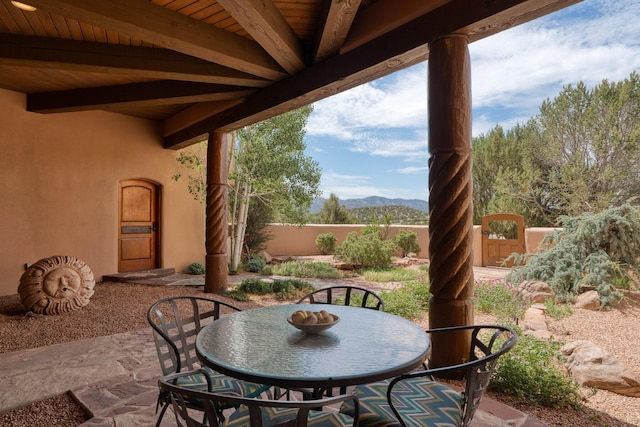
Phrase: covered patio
pixel 200 69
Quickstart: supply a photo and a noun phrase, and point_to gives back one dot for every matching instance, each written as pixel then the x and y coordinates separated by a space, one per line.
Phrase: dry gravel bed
pixel 117 307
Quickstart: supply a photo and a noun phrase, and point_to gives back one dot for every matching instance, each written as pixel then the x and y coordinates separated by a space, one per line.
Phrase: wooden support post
pixel 216 225
pixel 450 197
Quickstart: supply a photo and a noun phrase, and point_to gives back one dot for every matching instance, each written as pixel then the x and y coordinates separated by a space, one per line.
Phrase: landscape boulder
pixel 536 291
pixel 592 366
pixel 589 300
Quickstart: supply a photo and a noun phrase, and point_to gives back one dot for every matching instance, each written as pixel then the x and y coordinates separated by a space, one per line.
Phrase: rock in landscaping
pixel 589 300
pixel 592 366
pixel 534 322
pixel 535 291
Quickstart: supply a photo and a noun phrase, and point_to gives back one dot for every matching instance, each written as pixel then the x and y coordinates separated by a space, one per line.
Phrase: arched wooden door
pixel 502 235
pixel 138 225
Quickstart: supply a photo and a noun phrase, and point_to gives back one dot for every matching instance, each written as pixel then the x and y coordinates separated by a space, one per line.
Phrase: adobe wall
pixel 289 240
pixel 59 176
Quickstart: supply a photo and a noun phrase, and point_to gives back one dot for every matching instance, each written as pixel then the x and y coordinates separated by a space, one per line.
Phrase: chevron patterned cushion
pixel 421 402
pixel 222 384
pixel 277 416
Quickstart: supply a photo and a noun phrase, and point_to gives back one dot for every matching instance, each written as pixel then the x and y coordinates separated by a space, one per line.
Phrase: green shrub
pixel 195 268
pixel 410 301
pixel 254 265
pixel 406 240
pixel 366 250
pixel 500 298
pixel 532 371
pixel 283 289
pixel 320 270
pixel 386 274
pixel 326 243
pixel 594 249
pixel 557 311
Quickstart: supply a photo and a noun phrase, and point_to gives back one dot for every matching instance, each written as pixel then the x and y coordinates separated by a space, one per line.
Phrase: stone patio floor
pixel 115 378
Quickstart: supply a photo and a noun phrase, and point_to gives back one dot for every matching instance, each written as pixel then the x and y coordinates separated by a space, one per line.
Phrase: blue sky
pixel 372 140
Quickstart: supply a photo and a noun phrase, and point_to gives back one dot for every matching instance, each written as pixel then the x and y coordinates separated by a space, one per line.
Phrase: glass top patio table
pixel 259 345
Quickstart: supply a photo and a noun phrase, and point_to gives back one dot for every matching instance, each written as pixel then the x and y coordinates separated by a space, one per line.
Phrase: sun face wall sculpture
pixel 55 285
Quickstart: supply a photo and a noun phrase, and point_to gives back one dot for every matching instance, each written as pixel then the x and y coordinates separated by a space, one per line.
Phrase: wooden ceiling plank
pixel 266 25
pixel 117 59
pixel 139 94
pixel 146 21
pixel 318 82
pixel 335 21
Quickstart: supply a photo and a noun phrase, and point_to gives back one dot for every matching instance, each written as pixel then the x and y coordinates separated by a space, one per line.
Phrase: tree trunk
pixel 244 194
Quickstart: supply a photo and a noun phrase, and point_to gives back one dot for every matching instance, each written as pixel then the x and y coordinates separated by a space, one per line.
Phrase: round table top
pixel 259 345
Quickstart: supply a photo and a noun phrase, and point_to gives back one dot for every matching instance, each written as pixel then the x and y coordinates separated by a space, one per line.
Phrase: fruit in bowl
pixel 313 321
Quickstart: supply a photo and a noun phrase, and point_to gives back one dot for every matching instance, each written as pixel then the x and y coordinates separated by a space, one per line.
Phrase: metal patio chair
pixel 176 322
pixel 417 399
pixel 250 412
pixel 344 295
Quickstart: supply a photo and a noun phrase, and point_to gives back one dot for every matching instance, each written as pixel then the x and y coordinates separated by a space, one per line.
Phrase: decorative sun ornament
pixel 56 285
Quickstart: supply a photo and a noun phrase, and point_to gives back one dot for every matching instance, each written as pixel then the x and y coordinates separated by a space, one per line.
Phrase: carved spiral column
pixel 216 225
pixel 450 197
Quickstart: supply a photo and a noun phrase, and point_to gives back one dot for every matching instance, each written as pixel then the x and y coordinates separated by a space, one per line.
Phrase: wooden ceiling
pixel 202 65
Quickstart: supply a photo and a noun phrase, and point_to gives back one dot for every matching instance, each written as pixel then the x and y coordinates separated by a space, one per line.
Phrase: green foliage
pixel 320 270
pixel 579 154
pixel 593 249
pixel 254 265
pixel 195 268
pixel 286 179
pixel 326 243
pixel 532 371
pixel 500 298
pixel 400 215
pixel 368 249
pixel 333 212
pixel 259 216
pixel 386 274
pixel 283 289
pixel 557 311
pixel 406 240
pixel 410 301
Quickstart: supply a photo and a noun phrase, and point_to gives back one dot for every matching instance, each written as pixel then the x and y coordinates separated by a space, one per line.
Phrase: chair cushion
pixel 421 402
pixel 222 384
pixel 275 416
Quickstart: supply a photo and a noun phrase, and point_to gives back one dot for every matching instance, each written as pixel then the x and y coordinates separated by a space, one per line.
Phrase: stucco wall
pixel 59 176
pixel 291 240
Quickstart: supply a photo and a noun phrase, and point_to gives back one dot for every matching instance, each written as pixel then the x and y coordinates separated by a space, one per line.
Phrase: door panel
pixel 502 235
pixel 138 228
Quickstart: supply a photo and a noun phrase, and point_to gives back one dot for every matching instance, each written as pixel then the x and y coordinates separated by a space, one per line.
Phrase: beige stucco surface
pixel 59 177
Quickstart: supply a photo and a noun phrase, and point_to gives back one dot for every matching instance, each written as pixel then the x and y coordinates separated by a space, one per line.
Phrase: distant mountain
pixel 373 201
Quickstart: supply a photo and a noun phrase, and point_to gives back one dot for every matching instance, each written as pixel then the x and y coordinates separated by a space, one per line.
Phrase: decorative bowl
pixel 313 328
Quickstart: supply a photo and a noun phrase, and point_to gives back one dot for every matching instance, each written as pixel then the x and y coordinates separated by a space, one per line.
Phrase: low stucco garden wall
pixel 290 240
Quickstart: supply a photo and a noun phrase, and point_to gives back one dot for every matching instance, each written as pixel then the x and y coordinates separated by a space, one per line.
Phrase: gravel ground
pixel 117 307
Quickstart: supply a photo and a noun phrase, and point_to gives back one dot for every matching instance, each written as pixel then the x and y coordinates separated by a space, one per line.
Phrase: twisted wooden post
pixel 450 197
pixel 216 223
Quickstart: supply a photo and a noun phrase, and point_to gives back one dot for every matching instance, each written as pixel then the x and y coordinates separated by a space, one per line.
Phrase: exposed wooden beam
pixel 321 80
pixel 335 23
pixel 148 93
pixel 163 27
pixel 384 16
pixel 264 22
pixel 143 62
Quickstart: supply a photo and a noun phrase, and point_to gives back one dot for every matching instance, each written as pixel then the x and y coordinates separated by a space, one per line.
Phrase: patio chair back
pixel 252 412
pixel 175 322
pixel 417 399
pixel 344 295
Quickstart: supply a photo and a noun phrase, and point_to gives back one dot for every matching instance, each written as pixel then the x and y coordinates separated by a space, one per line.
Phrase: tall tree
pixel 580 153
pixel 268 166
pixel 333 212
